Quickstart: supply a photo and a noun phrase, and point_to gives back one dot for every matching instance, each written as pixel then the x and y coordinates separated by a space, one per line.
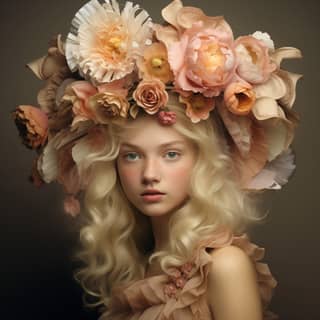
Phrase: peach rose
pixel 151 95
pixel 254 63
pixel 32 124
pixel 203 61
pixel 239 97
pixel 155 63
pixel 198 107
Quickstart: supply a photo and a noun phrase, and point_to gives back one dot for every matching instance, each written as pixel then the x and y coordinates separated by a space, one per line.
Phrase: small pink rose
pixel 170 290
pixel 167 118
pixel 180 282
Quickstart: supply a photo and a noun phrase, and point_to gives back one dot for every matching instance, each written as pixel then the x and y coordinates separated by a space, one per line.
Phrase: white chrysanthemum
pixel 104 42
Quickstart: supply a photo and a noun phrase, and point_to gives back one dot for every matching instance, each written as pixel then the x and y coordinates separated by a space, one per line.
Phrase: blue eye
pixel 131 156
pixel 172 155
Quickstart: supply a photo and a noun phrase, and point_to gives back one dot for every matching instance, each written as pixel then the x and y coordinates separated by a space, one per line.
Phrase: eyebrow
pixel 163 145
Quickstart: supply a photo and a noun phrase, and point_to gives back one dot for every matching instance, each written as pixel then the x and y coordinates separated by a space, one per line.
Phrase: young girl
pixel 164 129
pixel 161 241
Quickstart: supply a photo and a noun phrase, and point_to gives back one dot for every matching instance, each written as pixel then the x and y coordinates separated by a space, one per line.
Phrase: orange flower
pixel 198 106
pixel 239 98
pixel 155 63
pixel 32 124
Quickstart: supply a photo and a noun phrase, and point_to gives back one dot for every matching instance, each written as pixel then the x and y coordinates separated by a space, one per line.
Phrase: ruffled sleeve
pixel 181 294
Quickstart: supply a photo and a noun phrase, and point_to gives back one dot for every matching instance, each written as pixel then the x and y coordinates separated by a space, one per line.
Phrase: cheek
pixel 181 175
pixel 128 177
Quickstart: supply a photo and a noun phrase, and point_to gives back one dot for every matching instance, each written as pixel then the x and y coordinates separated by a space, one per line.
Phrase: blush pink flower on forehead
pixel 116 63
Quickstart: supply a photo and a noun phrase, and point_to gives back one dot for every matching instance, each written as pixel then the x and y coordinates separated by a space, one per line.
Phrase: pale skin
pixel 154 157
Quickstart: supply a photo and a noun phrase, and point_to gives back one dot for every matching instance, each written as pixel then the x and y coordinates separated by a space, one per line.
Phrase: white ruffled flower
pixel 104 42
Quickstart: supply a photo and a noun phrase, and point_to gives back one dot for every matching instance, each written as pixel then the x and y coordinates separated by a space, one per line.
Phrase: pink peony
pixel 254 63
pixel 203 61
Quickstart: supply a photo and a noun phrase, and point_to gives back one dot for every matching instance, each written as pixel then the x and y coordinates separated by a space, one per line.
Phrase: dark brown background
pixel 38 239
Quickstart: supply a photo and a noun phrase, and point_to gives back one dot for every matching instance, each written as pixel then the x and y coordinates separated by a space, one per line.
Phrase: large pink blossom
pixel 203 60
pixel 254 63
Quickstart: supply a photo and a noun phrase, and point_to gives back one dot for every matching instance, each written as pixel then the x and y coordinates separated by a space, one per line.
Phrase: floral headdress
pixel 116 63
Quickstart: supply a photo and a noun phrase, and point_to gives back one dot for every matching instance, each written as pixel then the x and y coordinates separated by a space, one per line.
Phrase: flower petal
pixel 266 108
pixel 187 16
pixel 166 34
pixel 285 53
pixel 239 129
pixel 274 88
pixel 36 67
pixel 249 166
pixel 276 173
pixel 290 79
pixel 279 133
pixel 169 13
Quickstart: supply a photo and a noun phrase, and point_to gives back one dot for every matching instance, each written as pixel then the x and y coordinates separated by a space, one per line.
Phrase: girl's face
pixel 154 165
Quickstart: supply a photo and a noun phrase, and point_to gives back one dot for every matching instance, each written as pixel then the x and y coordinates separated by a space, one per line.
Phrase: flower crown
pixel 116 63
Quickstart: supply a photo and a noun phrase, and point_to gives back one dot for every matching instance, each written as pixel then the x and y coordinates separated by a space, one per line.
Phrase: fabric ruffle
pixel 181 294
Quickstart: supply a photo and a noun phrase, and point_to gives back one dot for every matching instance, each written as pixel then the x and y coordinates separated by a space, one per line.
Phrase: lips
pixel 152 192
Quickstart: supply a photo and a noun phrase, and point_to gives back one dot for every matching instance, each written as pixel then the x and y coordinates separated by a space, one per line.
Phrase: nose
pixel 151 171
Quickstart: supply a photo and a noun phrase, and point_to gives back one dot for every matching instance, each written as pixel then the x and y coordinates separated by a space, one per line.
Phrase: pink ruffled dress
pixel 182 296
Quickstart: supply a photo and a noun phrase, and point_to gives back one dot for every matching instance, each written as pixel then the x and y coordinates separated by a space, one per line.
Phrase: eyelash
pixel 126 155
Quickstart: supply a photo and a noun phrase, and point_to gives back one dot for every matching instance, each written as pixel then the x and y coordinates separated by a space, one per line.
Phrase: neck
pixel 160 231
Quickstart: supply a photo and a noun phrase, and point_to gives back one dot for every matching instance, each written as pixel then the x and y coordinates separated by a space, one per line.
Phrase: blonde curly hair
pixel 117 240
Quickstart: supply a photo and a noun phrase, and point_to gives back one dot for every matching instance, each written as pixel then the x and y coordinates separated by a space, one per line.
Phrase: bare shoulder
pixel 233 291
pixel 230 259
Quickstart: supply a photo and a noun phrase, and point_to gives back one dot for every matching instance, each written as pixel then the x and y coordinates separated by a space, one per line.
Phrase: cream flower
pixel 151 95
pixel 155 63
pixel 104 42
